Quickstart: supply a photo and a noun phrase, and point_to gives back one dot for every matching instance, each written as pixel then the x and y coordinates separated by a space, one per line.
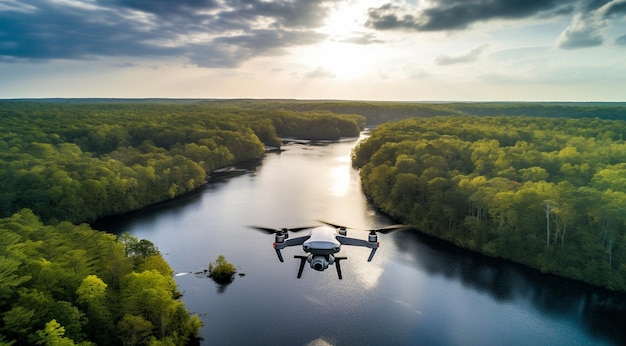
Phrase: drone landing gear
pixel 337 261
pixel 304 259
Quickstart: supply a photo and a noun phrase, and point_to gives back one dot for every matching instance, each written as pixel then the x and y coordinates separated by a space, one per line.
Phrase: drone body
pixel 322 243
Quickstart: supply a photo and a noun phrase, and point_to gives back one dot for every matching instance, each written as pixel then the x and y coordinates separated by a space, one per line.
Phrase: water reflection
pixel 600 312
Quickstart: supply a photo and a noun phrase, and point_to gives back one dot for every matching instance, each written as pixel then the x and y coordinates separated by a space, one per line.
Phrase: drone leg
pixel 337 261
pixel 372 255
pixel 302 261
pixel 280 255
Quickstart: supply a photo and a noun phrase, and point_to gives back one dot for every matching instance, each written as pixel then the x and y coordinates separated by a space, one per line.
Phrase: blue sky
pixel 434 50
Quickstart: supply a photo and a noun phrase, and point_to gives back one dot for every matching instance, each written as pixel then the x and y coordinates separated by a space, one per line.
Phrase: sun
pixel 345 54
pixel 337 60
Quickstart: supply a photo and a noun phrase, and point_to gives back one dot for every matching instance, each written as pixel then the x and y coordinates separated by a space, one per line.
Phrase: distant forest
pixel 542 184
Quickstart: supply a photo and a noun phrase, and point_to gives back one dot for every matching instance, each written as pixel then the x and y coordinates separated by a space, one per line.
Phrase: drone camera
pixel 319 263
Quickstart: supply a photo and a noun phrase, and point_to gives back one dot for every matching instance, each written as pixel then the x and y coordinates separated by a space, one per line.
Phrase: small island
pixel 221 271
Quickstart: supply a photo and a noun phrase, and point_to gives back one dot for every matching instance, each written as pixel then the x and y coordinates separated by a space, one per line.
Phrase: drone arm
pixel 357 242
pixel 360 242
pixel 291 242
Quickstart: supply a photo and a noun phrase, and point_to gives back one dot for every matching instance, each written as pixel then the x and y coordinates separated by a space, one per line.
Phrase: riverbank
pixel 549 199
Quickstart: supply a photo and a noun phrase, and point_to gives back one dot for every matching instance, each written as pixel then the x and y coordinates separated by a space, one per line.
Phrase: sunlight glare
pixel 340 176
pixel 346 54
pixel 339 60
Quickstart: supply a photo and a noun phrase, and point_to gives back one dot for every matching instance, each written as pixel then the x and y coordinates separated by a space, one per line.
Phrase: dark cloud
pixel 233 50
pixel 208 32
pixel 621 40
pixel 590 18
pixel 470 56
pixel 613 8
pixel 164 8
pixel 66 32
pixel 444 15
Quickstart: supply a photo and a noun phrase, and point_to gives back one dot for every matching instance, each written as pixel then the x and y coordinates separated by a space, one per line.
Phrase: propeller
pixel 331 224
pixel 389 229
pixel 383 230
pixel 281 230
pixel 281 236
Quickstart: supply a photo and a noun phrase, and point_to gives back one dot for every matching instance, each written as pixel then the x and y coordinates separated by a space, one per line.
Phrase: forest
pixel 79 162
pixel 546 192
pixel 65 284
pixel 378 112
pixel 64 163
pixel 546 188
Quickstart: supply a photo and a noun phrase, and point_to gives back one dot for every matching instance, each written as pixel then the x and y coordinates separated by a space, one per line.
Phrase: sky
pixel 411 50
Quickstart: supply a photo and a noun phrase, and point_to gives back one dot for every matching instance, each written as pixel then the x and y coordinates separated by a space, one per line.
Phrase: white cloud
pixel 470 56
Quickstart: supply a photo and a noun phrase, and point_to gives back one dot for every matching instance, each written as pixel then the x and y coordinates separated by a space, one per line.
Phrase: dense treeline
pixel 574 110
pixel 374 112
pixel 81 161
pixel 67 284
pixel 546 192
pixel 378 112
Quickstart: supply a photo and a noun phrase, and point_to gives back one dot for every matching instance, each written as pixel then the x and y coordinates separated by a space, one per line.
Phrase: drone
pixel 323 242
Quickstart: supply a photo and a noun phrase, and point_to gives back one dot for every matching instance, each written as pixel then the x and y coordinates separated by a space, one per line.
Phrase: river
pixel 416 291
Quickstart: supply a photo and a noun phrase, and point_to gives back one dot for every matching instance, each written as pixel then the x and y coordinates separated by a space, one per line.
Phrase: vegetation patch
pixel 79 162
pixel 68 284
pixel 221 271
pixel 546 192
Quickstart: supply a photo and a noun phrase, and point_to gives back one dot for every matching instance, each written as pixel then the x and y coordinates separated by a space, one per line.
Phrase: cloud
pixel 589 25
pixel 320 72
pixel 364 39
pixel 164 8
pixel 621 40
pixel 470 56
pixel 443 15
pixel 581 33
pixel 209 33
pixel 125 65
pixel 232 51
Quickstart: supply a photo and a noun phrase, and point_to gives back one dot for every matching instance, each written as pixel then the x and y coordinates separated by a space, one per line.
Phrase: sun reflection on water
pixel 340 177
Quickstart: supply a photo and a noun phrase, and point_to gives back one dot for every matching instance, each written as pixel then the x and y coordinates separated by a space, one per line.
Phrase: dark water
pixel 416 291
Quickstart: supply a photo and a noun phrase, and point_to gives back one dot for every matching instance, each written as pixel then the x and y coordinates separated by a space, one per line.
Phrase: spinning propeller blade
pixel 274 230
pixel 331 224
pixel 298 229
pixel 265 229
pixel 384 230
pixel 389 229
